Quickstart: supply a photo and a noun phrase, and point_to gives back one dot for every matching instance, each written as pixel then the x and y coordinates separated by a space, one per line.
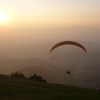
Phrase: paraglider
pixel 68 43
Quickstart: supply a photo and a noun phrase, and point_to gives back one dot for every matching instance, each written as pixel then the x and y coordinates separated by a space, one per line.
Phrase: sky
pixel 52 12
pixel 36 23
pixel 34 26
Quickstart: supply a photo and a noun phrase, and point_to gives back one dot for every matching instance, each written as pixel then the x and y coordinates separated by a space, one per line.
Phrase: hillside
pixel 51 75
pixel 20 89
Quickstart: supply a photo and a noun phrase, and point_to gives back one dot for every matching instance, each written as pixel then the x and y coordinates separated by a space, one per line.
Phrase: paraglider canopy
pixel 68 43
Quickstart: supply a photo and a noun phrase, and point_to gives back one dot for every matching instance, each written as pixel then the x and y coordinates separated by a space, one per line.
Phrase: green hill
pixel 21 89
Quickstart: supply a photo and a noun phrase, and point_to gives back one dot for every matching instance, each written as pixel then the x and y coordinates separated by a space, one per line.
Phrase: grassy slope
pixel 19 89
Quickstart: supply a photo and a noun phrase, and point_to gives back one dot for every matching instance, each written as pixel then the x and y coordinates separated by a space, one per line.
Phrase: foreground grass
pixel 19 89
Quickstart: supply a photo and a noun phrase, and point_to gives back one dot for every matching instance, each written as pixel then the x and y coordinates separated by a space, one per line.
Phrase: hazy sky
pixel 52 12
pixel 32 24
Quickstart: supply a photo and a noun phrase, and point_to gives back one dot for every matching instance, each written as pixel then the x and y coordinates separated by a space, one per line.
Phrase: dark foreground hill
pixel 20 89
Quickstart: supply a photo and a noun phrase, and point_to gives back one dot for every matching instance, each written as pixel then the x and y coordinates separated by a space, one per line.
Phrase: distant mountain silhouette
pixel 85 68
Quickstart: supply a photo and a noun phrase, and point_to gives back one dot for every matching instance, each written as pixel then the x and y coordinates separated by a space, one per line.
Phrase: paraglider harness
pixel 68 72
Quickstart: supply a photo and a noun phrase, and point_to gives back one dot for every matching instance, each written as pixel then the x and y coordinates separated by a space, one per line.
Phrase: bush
pixel 18 75
pixel 37 78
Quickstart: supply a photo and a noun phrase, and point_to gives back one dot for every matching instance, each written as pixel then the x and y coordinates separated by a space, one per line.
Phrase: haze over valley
pixel 29 29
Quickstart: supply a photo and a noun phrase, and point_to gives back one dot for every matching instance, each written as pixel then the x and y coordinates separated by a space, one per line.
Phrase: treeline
pixel 32 78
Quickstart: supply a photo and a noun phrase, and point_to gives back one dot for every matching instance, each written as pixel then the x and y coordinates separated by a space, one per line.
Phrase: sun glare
pixel 3 17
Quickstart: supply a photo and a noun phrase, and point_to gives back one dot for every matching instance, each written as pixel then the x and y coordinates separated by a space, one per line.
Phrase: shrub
pixel 37 78
pixel 18 75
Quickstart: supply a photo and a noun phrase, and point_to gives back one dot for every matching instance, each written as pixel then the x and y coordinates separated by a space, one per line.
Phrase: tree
pixel 18 75
pixel 37 78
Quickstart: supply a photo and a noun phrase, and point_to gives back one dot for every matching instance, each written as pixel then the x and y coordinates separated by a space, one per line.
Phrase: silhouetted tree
pixel 18 75
pixel 37 78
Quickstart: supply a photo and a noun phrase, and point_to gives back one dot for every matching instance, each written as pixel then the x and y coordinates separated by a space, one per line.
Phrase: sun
pixel 3 17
